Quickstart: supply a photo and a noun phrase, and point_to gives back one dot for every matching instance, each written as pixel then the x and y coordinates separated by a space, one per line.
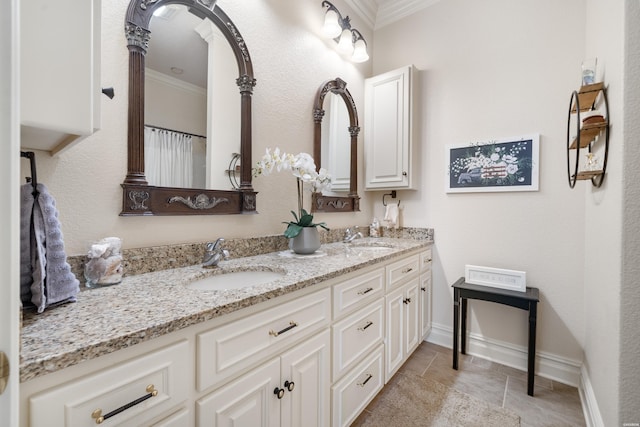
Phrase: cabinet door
pixel 412 316
pixel 307 367
pixel 246 402
pixel 60 72
pixel 425 304
pixel 388 130
pixel 395 332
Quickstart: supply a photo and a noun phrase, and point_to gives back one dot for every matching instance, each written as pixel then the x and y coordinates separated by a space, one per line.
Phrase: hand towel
pixel 52 281
pixel 26 212
pixel 391 215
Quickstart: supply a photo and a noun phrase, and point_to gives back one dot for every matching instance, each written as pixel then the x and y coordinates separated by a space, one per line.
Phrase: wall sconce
pixel 350 40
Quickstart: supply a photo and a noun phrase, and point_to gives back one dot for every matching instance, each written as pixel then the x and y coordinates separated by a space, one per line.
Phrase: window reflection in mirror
pixel 192 125
pixel 336 143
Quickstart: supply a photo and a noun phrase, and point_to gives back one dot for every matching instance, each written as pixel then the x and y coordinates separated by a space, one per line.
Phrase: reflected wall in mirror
pixel 335 143
pixel 187 120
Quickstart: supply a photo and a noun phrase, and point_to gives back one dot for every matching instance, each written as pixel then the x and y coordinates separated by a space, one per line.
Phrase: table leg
pixel 463 333
pixel 456 320
pixel 533 314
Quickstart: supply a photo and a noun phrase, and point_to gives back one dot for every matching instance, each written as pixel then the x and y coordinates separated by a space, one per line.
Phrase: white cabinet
pixel 403 328
pixel 388 134
pixel 315 358
pixel 130 393
pixel 425 293
pixel 290 390
pixel 233 348
pixel 354 391
pixel 59 72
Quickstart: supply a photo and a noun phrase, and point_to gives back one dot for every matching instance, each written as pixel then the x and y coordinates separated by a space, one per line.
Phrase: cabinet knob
pixel 404 173
pixel 289 385
pixel 407 301
pixel 423 289
pixel 279 392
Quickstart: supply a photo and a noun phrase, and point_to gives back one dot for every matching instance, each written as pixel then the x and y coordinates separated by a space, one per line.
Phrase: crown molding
pixel 377 15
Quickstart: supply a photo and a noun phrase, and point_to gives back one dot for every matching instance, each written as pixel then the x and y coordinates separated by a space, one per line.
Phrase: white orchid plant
pixel 303 167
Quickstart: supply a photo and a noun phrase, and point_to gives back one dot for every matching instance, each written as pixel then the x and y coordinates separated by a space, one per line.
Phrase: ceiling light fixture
pixel 350 40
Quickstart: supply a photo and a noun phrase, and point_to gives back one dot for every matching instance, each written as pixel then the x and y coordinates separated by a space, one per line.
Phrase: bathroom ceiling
pixel 378 13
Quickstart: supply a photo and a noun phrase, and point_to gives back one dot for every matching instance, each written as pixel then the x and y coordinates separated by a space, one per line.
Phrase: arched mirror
pixel 189 131
pixel 335 147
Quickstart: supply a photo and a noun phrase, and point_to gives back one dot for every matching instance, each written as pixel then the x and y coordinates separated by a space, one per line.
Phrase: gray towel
pixel 26 209
pixel 52 281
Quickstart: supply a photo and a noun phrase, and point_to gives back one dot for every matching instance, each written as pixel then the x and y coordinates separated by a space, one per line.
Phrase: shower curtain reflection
pixel 168 158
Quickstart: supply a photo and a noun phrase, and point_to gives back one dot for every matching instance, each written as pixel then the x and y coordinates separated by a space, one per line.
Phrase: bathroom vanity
pixel 313 347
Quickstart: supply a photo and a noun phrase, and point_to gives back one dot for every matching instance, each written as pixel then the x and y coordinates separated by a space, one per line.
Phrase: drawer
pixel 168 371
pixel 356 335
pixel 401 270
pixel 232 348
pixel 179 418
pixel 354 392
pixel 353 293
pixel 425 261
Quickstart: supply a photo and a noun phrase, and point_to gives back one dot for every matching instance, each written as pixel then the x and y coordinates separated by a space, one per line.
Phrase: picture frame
pixel 508 164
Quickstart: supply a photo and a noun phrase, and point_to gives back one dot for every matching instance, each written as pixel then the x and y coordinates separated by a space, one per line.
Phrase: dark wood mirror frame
pixel 351 202
pixel 140 198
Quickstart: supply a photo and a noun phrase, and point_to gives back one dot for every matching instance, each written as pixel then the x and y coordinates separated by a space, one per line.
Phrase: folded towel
pixel 26 210
pixel 391 215
pixel 52 281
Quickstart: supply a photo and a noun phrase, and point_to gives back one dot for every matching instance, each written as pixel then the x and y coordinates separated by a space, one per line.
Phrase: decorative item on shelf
pixel 104 265
pixel 589 67
pixel 303 231
pixel 590 133
pixel 350 41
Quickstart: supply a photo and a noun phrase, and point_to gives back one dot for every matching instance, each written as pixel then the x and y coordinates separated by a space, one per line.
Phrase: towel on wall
pixel 391 215
pixel 52 281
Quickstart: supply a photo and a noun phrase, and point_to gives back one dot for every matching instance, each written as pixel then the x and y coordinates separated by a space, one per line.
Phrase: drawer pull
pixel 407 270
pixel 365 291
pixel 289 385
pixel 362 384
pixel 292 325
pixel 362 328
pixel 279 392
pixel 97 414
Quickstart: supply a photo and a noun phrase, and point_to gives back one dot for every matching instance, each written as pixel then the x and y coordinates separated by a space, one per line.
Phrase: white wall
pixel 630 292
pixel 291 60
pixel 495 69
pixel 603 215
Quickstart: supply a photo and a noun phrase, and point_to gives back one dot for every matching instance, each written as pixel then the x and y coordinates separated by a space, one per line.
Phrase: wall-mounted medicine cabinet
pixel 389 137
pixel 59 73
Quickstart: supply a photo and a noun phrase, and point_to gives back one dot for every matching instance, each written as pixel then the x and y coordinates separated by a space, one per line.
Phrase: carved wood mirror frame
pixel 140 198
pixel 351 202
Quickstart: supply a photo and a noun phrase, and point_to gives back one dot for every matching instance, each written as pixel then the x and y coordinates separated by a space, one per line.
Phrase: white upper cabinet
pixel 59 72
pixel 388 130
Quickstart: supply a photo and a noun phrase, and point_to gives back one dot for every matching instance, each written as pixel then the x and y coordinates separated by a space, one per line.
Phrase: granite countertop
pixel 149 305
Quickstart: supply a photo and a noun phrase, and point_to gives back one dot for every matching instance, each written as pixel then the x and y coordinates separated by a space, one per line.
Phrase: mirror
pixel 335 144
pixel 209 130
pixel 189 63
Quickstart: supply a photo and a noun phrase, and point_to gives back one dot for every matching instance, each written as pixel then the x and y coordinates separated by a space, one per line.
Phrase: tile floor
pixel 553 405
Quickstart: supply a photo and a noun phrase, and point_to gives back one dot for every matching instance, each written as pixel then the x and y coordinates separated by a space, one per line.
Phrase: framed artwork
pixel 498 165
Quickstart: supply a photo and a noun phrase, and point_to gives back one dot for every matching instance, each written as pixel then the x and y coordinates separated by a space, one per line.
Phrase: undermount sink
pixel 227 280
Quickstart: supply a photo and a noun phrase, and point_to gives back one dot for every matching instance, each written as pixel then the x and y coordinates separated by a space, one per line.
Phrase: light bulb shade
pixel 345 45
pixel 360 51
pixel 331 28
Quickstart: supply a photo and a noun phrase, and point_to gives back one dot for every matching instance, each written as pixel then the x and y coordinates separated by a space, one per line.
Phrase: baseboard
pixel 551 366
pixel 590 408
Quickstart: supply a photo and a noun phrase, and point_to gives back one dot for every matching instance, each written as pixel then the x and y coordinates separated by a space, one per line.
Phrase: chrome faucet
pixel 214 253
pixel 351 235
